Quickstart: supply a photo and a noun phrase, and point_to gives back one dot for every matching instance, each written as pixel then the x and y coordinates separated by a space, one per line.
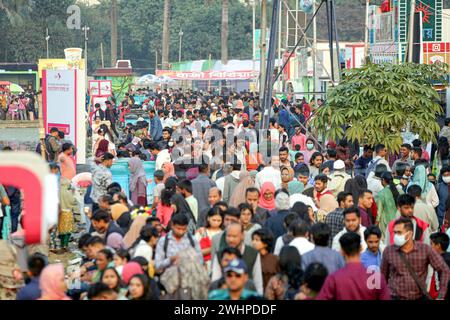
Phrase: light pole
pixel 86 39
pixel 181 42
pixel 47 38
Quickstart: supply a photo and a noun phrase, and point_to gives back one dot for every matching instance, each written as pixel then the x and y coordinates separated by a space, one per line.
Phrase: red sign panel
pixel 61 127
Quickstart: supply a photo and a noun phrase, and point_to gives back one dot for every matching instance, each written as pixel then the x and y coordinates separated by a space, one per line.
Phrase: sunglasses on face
pixel 234 275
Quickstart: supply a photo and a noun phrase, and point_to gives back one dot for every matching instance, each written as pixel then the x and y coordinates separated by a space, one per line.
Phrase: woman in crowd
pixel 327 204
pixel 112 279
pixel 262 241
pixel 386 202
pixel 267 197
pixel 214 224
pixel 287 175
pixel 135 230
pixel 138 182
pixel 142 288
pixel 103 260
pixel 68 207
pixel 52 283
pixel 429 194
pixel 310 150
pixel 247 213
pixel 247 180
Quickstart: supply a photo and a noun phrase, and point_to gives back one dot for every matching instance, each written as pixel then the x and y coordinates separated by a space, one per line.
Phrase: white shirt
pixel 143 250
pixel 162 157
pixel 298 197
pixel 268 174
pixel 302 244
pixel 220 183
pixel 374 184
pixel 337 246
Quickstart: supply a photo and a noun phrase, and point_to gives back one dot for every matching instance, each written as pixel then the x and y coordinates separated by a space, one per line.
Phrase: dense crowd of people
pixel 21 106
pixel 238 212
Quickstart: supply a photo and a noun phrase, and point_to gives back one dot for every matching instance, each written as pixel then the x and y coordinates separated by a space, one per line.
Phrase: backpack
pixel 371 167
pixel 49 155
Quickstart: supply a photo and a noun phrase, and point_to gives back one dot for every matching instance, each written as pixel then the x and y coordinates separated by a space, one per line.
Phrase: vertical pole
pixel 411 31
pixel 336 38
pixel 46 39
pixel 101 51
pixel 366 34
pixel 209 66
pixel 315 85
pixel 263 46
pixel 254 36
pixel 268 87
pixel 121 48
pixel 330 39
pixel 280 63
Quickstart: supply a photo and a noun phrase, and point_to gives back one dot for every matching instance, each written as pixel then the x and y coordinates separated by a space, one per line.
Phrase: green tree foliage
pixel 378 101
pixel 140 29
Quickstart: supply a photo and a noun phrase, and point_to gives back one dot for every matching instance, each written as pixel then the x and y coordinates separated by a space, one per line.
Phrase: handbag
pixel 6 228
pixel 413 274
pixel 180 293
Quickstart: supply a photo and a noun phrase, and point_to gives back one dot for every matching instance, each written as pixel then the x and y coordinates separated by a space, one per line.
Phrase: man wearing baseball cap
pixel 236 276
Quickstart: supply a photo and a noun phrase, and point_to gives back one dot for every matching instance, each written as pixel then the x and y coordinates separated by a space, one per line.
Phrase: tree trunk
pixel 113 33
pixel 224 55
pixel 166 35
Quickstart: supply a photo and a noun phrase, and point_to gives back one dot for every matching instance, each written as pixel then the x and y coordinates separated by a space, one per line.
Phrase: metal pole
pixel 411 31
pixel 209 66
pixel 47 38
pixel 269 81
pixel 314 51
pixel 86 39
pixel 366 34
pixel 330 38
pixel 121 48
pixel 280 81
pixel 336 37
pixel 101 51
pixel 263 46
pixel 181 42
pixel 254 29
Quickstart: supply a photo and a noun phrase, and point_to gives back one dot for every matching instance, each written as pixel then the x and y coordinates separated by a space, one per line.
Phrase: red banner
pixel 208 75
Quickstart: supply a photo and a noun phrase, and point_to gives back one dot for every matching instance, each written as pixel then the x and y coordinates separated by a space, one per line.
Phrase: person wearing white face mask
pixel 405 206
pixel 405 265
pixel 310 149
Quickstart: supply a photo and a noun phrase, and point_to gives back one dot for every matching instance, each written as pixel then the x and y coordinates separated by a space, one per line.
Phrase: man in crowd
pixel 335 219
pixel 331 259
pixel 251 257
pixel 177 240
pixel 365 203
pixel 352 282
pixel 405 264
pixel 352 223
pixel 101 179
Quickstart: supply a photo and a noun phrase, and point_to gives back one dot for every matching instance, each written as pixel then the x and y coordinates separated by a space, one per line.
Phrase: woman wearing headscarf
pixel 101 148
pixel 52 283
pixel 429 193
pixel 327 204
pixel 115 241
pixel 129 270
pixel 386 202
pixel 169 170
pixel 138 182
pixel 121 215
pixel 68 206
pixel 267 197
pixel 287 175
pixel 135 231
pixel 247 180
